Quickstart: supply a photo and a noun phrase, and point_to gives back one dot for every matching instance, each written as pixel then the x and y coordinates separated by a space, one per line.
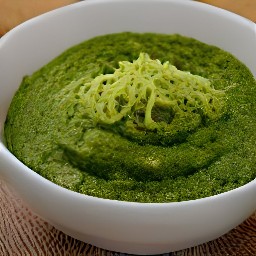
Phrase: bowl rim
pixel 201 5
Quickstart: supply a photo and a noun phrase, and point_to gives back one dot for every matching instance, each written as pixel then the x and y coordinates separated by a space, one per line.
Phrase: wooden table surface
pixel 245 8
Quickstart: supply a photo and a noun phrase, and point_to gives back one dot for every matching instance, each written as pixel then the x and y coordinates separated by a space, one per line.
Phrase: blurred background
pixel 14 12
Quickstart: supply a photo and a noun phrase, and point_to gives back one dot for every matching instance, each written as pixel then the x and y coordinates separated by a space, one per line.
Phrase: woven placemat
pixel 23 233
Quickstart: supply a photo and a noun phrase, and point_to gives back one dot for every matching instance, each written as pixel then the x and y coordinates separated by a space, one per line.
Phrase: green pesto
pixel 57 126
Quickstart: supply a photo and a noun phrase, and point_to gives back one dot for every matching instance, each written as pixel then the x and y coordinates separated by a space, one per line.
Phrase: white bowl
pixel 122 226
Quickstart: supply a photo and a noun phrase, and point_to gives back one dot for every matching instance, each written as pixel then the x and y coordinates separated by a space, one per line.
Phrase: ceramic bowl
pixel 139 228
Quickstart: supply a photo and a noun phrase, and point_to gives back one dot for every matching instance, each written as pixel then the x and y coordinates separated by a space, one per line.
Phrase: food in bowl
pixel 141 117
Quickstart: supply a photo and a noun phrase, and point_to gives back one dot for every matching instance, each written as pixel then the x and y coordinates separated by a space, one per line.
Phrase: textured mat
pixel 23 233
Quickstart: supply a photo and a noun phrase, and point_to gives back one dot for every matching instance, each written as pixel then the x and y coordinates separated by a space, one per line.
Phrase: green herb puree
pixel 138 117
